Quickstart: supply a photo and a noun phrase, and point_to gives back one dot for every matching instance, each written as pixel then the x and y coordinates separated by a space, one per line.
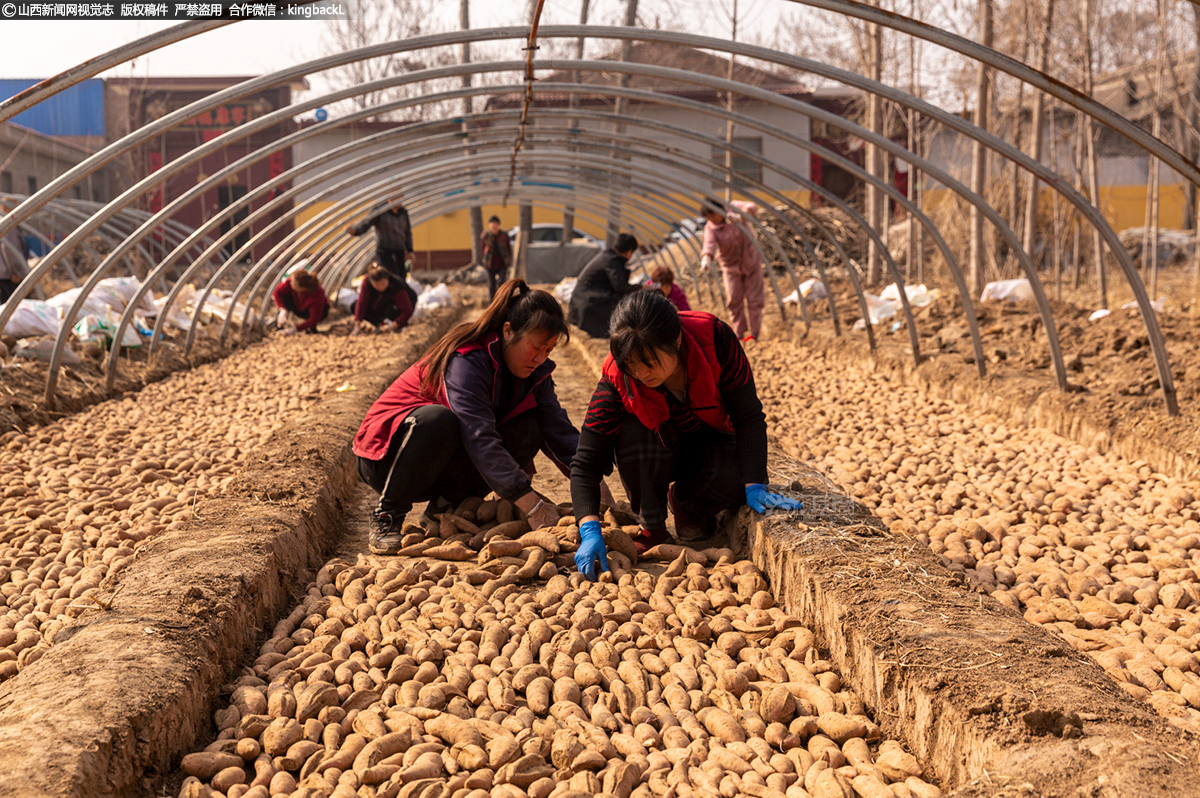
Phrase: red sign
pixel 223 117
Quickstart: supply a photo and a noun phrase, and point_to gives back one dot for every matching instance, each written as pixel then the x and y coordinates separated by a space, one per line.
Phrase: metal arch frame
pixel 112 231
pixel 327 222
pixel 1010 66
pixel 30 97
pixel 833 157
pixel 372 139
pixel 662 188
pixel 769 164
pixel 1051 178
pixel 898 22
pixel 1155 335
pixel 336 215
pixel 31 226
pixel 923 164
pixel 193 155
pixel 244 132
pixel 335 153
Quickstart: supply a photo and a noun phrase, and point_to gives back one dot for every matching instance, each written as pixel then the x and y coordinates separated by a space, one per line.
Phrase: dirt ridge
pixel 126 690
pixel 1029 400
pixel 993 704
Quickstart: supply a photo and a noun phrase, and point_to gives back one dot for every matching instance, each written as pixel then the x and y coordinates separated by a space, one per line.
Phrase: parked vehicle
pixel 551 233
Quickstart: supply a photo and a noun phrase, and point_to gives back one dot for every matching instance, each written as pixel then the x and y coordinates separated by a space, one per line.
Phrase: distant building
pixel 1123 166
pixel 131 103
pixel 43 142
pixel 688 59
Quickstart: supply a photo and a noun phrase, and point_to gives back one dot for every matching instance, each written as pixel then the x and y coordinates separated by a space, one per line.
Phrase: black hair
pixel 711 206
pixel 625 243
pixel 643 324
pixel 526 309
pixel 495 219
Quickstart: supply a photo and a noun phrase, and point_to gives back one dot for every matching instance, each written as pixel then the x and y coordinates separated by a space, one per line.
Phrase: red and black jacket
pixel 720 396
pixel 311 305
pixel 472 389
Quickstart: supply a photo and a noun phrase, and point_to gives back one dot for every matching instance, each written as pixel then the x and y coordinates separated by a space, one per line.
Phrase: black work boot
pixel 384 536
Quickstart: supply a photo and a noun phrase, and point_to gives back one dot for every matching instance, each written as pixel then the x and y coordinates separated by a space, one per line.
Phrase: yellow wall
pixel 452 231
pixel 1123 206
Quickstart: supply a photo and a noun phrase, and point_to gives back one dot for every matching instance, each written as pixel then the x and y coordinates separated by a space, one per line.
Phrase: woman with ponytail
pixel 470 416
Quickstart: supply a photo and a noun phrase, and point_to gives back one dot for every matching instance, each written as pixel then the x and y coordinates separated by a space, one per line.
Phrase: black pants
pixel 8 287
pixel 289 305
pixel 393 261
pixel 387 311
pixel 426 459
pixel 495 279
pixel 703 465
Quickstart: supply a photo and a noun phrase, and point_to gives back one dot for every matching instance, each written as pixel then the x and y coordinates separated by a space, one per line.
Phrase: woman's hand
pixel 761 500
pixel 591 550
pixel 538 512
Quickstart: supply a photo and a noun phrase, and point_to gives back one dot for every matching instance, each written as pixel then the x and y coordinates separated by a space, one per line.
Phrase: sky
pixel 252 47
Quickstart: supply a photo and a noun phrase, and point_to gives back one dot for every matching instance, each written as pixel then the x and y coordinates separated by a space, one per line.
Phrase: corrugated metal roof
pixel 77 111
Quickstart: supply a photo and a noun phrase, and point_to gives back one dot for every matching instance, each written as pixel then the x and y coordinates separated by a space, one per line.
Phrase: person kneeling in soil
pixel 384 301
pixel 470 416
pixel 602 283
pixel 300 294
pixel 676 404
pixel 662 278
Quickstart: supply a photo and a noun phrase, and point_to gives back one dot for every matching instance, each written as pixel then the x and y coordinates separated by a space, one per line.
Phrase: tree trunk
pixel 1193 217
pixel 983 87
pixel 1015 171
pixel 1150 238
pixel 1056 246
pixel 476 212
pixel 1093 164
pixel 910 261
pixel 1035 141
pixel 524 237
pixel 872 152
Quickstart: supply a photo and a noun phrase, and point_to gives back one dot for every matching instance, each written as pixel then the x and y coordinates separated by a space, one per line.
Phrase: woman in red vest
pixel 676 404
pixel 470 416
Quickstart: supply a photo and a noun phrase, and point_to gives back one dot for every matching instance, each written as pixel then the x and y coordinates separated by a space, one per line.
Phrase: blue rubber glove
pixel 591 549
pixel 761 501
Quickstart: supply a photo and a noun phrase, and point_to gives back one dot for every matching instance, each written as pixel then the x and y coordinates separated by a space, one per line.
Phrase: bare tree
pixel 875 166
pixel 978 153
pixel 1089 132
pixel 372 23
pixel 1035 125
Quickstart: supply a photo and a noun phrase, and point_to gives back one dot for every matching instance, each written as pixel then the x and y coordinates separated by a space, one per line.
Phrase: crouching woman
pixel 470 416
pixel 677 410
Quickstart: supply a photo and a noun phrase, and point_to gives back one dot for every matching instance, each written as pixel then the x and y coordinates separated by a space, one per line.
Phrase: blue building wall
pixel 77 111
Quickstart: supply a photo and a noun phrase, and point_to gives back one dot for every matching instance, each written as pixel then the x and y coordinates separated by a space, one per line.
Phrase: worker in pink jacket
pixel 727 236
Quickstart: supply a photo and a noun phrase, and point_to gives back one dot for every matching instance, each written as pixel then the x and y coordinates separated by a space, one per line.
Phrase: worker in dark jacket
pixel 470 416
pixel 497 254
pixel 13 266
pixel 300 294
pixel 601 285
pixel 676 404
pixel 393 235
pixel 383 301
